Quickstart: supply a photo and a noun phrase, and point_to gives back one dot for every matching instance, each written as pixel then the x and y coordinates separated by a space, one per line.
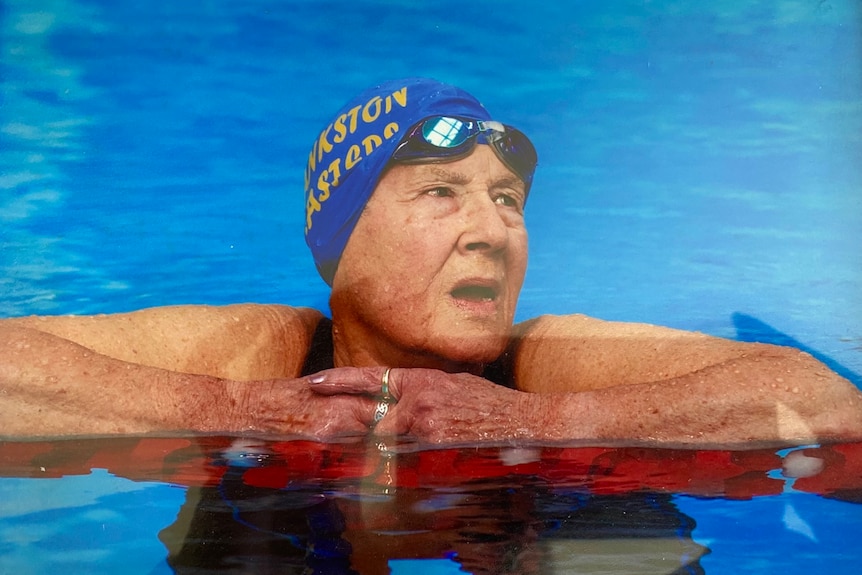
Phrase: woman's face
pixel 435 264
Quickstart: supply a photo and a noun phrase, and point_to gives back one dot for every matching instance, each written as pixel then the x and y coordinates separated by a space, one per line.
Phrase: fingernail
pixel 317 379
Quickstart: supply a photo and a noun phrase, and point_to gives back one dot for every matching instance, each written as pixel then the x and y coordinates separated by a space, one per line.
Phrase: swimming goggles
pixel 448 137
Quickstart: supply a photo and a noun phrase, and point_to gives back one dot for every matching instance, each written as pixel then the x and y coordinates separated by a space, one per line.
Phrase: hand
pixel 290 407
pixel 437 407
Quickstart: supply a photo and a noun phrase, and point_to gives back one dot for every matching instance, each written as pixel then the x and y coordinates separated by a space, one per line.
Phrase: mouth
pixel 476 291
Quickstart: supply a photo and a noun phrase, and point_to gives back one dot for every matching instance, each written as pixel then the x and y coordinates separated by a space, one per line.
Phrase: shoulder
pixel 579 353
pixel 178 321
pixel 241 341
pixel 579 325
pixel 276 318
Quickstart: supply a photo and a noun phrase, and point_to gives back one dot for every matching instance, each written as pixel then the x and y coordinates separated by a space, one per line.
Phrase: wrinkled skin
pixel 260 408
pixel 434 407
pixel 432 272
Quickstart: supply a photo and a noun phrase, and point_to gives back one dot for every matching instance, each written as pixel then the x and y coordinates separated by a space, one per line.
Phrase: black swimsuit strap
pixel 320 357
pixel 320 354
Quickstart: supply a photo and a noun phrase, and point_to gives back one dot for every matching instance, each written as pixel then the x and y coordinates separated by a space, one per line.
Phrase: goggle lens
pixel 450 137
pixel 445 132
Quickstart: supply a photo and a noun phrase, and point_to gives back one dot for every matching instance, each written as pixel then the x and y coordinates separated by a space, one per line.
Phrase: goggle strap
pixel 486 125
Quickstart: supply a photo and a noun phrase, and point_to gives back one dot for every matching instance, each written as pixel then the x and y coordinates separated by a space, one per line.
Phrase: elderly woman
pixel 415 203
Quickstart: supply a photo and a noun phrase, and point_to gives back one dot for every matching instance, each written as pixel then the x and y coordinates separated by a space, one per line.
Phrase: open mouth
pixel 475 293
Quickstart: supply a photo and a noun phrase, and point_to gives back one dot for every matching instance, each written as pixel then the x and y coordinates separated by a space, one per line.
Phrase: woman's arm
pixel 579 353
pixel 242 342
pixel 771 395
pixel 652 382
pixel 184 368
pixel 50 386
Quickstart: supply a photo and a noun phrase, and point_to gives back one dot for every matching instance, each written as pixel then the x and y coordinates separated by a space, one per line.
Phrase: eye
pixel 441 192
pixel 509 201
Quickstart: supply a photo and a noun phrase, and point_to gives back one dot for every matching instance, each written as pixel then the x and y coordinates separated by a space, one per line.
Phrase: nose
pixel 485 231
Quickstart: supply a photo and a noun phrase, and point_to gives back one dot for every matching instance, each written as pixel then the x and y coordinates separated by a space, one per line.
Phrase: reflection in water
pixel 254 506
pixel 494 530
pixel 266 518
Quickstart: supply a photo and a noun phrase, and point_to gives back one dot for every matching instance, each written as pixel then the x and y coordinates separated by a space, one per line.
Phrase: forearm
pixel 51 386
pixel 772 395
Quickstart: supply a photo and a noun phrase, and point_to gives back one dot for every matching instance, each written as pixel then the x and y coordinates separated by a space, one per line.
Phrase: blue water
pixel 699 164
pixel 696 161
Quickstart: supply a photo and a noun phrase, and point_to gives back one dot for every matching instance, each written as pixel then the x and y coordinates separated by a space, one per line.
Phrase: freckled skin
pixel 426 228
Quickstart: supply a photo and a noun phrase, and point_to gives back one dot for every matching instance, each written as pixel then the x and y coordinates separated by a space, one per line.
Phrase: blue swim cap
pixel 350 154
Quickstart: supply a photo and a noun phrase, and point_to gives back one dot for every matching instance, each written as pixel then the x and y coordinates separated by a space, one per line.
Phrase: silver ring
pixel 380 411
pixel 384 385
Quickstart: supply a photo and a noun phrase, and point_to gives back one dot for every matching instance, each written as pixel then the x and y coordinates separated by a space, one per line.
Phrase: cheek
pixel 418 248
pixel 389 266
pixel 372 245
pixel 518 249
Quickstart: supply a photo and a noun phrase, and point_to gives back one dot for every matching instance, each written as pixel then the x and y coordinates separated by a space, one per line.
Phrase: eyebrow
pixel 461 178
pixel 450 176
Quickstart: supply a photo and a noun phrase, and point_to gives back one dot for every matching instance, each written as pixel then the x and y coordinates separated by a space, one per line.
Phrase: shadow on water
pixel 751 329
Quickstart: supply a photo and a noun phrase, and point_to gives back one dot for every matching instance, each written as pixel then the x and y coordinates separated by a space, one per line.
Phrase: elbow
pixel 792 365
pixel 812 400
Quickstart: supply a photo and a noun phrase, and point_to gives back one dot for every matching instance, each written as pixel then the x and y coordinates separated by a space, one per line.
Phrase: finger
pixel 395 423
pixel 379 412
pixel 349 380
pixel 391 382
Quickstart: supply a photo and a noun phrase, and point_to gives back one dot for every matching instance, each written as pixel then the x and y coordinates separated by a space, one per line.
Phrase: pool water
pixel 239 505
pixel 699 168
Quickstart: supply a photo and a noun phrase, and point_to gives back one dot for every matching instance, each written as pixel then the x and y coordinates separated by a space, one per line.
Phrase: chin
pixel 472 349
